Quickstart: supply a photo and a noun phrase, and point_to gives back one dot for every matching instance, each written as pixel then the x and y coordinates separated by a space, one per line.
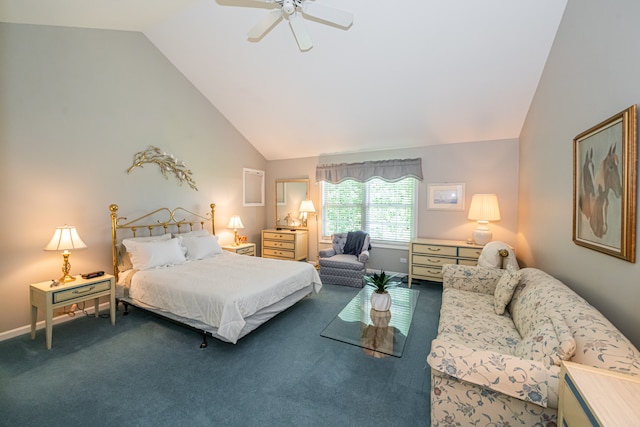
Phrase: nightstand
pixel 597 397
pixel 242 249
pixel 45 297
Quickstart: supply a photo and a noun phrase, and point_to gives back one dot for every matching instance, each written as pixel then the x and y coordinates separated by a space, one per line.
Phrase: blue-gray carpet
pixel 145 371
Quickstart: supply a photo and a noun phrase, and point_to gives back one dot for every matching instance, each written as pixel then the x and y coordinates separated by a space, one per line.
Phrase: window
pixel 384 209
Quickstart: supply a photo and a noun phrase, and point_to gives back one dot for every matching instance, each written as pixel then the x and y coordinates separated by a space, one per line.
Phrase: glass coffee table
pixel 379 333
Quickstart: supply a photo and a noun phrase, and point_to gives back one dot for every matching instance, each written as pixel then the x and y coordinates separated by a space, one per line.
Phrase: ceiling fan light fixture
pixel 288 7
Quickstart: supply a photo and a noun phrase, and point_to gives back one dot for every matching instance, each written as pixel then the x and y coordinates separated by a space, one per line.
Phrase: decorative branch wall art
pixel 167 162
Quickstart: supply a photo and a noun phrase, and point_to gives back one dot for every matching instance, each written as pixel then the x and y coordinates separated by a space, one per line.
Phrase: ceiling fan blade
pixel 269 20
pixel 328 14
pixel 300 31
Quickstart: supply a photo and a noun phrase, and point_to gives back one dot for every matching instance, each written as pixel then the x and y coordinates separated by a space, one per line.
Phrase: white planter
pixel 380 302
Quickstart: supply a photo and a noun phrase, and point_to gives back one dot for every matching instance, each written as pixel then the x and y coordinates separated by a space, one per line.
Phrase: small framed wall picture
pixel 445 196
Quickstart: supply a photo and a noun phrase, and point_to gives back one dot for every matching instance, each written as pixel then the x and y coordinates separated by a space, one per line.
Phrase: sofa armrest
pixel 471 278
pixel 364 256
pixel 326 253
pixel 524 379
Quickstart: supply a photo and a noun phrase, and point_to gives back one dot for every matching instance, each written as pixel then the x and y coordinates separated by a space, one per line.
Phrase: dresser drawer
pixel 469 262
pixel 275 253
pixel 271 244
pixel 81 291
pixel 429 273
pixel 431 260
pixel 278 236
pixel 435 250
pixel 469 253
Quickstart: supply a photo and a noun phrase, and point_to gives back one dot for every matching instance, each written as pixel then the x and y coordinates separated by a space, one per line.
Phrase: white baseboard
pixel 56 320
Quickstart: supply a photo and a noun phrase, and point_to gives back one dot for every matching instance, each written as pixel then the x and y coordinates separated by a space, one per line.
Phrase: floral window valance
pixel 387 170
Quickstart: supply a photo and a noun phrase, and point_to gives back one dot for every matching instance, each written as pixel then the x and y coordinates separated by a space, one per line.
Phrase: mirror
pixel 289 194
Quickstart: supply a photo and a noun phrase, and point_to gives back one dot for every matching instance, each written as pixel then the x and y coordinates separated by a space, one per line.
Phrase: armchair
pixel 345 262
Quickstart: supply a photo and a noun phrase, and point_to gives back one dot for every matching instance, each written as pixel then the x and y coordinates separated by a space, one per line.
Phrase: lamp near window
pixel 484 208
pixel 65 239
pixel 306 207
pixel 235 222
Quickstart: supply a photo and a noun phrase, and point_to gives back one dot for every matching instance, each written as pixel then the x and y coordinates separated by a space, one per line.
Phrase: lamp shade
pixel 65 238
pixel 307 206
pixel 484 207
pixel 235 222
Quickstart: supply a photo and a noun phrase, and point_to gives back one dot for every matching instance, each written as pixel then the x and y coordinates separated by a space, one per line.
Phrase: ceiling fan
pixel 293 11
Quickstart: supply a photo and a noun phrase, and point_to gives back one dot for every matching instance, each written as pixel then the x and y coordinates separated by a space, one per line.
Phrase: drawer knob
pixel 83 291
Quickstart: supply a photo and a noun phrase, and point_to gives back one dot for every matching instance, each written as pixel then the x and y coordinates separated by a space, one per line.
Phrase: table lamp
pixel 65 239
pixel 306 207
pixel 235 222
pixel 484 208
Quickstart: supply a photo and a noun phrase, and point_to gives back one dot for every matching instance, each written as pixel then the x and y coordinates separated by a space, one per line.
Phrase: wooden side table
pixel 242 249
pixel 45 297
pixel 597 397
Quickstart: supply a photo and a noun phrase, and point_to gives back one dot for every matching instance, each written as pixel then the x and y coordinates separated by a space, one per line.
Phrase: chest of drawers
pixel 285 244
pixel 427 256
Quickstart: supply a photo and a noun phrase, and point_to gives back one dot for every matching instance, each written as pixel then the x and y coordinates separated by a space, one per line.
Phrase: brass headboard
pixel 171 221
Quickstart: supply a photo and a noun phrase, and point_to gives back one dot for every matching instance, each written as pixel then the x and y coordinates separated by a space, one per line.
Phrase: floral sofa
pixel 501 338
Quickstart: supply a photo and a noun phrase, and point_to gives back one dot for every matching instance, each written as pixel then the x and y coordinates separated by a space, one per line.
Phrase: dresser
pixel 285 244
pixel 427 256
pixel 597 397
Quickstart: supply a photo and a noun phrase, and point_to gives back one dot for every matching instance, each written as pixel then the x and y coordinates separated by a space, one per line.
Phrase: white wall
pixel 484 167
pixel 75 105
pixel 591 74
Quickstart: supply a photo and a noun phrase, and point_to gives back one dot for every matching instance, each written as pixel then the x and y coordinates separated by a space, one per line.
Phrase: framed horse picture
pixel 604 186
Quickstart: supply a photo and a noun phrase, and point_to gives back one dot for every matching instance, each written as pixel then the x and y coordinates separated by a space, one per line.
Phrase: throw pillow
pixel 505 287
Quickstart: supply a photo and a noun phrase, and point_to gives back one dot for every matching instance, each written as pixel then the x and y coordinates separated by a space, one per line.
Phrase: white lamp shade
pixel 235 222
pixel 307 206
pixel 484 207
pixel 65 238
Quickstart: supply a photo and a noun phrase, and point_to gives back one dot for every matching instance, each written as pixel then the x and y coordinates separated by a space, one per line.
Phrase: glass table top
pixel 379 333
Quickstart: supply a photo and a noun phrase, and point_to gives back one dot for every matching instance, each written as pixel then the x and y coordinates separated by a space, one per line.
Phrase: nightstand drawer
pixel 278 236
pixel 435 250
pixel 80 291
pixel 469 253
pixel 267 252
pixel 251 250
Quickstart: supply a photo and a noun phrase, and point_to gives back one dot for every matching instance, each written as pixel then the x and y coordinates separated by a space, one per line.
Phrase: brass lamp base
pixel 66 267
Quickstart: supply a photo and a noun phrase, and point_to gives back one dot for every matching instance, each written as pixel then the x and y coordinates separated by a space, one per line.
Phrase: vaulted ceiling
pixel 405 74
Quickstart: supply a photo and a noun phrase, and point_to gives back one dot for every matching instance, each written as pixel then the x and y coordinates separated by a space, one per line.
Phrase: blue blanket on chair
pixel 355 242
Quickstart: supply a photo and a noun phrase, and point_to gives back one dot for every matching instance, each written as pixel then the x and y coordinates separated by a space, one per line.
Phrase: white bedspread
pixel 223 290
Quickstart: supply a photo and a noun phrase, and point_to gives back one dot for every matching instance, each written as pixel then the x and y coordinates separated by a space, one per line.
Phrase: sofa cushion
pixel 469 318
pixel 342 261
pixel 550 341
pixel 505 287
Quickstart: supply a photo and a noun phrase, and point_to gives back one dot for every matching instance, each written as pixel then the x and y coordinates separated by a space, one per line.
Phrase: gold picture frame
pixel 604 186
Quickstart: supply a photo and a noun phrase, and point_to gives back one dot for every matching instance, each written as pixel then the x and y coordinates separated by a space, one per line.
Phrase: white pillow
pixel 146 255
pixel 194 233
pixel 199 247
pixel 124 259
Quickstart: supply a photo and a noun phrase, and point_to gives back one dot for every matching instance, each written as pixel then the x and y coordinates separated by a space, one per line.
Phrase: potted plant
pixel 380 298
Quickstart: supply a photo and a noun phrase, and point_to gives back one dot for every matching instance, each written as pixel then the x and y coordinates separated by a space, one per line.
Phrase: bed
pixel 169 262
